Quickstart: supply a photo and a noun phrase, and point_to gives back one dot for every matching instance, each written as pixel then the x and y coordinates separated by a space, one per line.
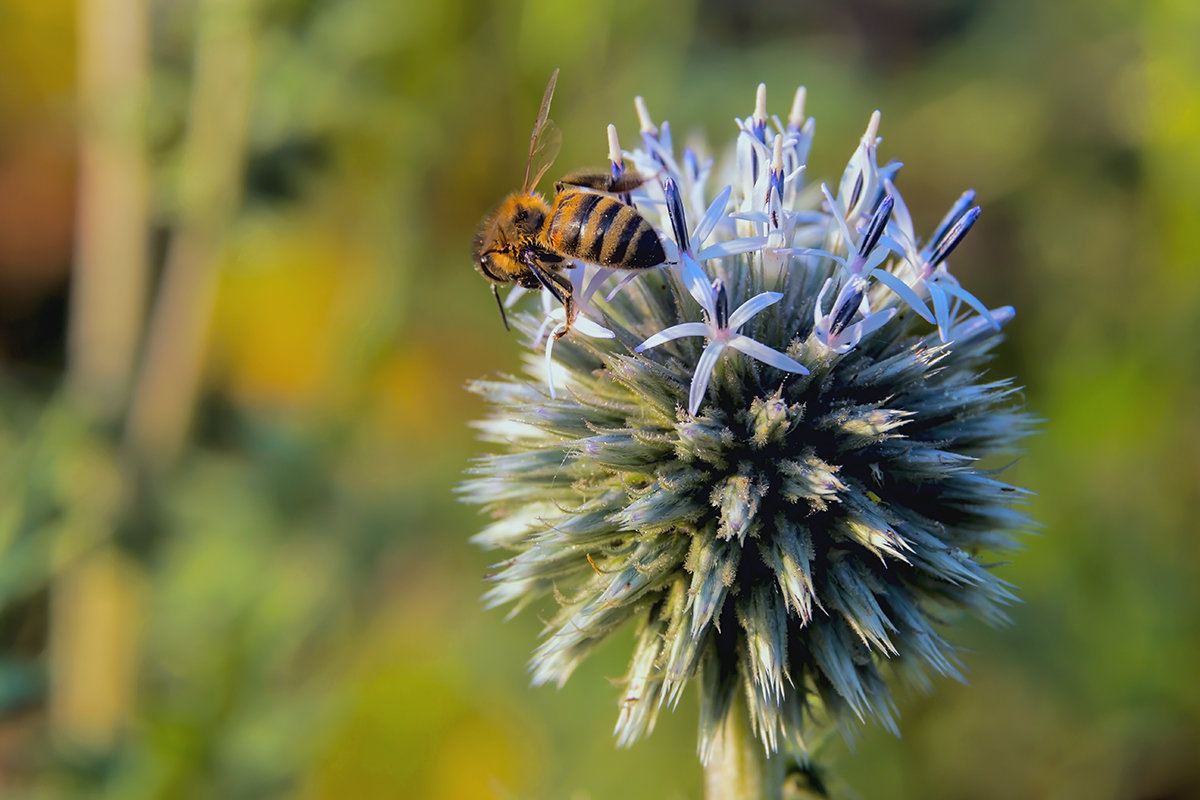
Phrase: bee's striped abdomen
pixel 602 230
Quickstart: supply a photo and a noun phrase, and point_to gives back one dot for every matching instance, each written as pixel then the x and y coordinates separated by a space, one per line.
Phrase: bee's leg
pixel 568 301
pixel 558 285
pixel 601 181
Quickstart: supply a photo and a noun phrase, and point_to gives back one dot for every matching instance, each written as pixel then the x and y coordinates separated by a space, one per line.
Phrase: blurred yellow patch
pixel 284 314
pixel 412 395
pixel 37 54
pixel 418 389
pixel 415 721
pixel 408 734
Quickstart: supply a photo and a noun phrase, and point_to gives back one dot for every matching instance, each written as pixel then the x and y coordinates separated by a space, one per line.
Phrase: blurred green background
pixel 237 312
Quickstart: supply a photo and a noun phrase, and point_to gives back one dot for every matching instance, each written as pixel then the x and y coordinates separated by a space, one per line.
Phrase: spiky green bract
pixel 802 538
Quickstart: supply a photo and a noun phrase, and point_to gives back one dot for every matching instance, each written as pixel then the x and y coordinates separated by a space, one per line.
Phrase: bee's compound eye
pixel 488 267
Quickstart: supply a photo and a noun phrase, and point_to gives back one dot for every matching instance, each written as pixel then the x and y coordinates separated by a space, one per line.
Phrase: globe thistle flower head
pixel 764 456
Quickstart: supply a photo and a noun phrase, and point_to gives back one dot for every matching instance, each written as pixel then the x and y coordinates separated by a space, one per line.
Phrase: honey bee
pixel 530 242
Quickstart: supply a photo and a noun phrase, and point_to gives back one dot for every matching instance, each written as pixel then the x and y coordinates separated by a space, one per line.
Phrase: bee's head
pixel 491 254
pixel 515 222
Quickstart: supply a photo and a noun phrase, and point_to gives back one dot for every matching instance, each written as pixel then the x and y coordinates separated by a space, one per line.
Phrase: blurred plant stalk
pixel 109 281
pixel 97 600
pixel 95 618
pixel 740 768
pixel 209 191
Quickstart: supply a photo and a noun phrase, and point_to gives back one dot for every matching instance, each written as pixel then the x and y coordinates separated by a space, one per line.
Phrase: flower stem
pixel 739 768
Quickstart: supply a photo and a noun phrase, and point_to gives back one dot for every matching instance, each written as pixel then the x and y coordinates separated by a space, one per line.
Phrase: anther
pixel 945 245
pixel 721 304
pixel 854 194
pixel 675 212
pixel 876 228
pixel 845 312
pixel 957 210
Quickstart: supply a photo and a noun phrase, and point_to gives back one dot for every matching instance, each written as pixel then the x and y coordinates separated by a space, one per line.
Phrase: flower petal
pixel 598 277
pixel 621 284
pixel 810 251
pixel 820 318
pixel 711 217
pixel 971 300
pixel 514 296
pixel 589 328
pixel 901 219
pixel 582 323
pixel 877 257
pixel 704 370
pixel 875 321
pixel 697 283
pixel 904 292
pixel 748 309
pixel 767 355
pixel 541 331
pixel 549 361
pixel 733 247
pixel 751 216
pixel 941 308
pixel 676 332
pixel 835 210
pixel 978 326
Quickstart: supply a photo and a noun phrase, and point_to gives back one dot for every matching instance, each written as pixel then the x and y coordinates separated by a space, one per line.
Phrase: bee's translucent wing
pixel 545 141
pixel 542 153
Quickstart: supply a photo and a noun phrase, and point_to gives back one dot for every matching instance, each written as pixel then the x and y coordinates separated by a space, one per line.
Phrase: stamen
pixel 776 177
pixel 760 113
pixel 875 229
pixel 617 162
pixel 647 124
pixel 691 164
pixel 664 138
pixel 796 116
pixel 845 312
pixel 675 212
pixel 872 132
pixel 858 185
pixel 945 246
pixel 721 304
pixel 614 149
pixel 957 210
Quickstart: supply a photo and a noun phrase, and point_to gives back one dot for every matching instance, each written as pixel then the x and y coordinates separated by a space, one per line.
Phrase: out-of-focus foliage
pixel 288 606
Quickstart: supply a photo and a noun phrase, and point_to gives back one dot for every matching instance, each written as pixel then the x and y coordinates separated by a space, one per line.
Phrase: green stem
pixel 739 768
pixel 214 149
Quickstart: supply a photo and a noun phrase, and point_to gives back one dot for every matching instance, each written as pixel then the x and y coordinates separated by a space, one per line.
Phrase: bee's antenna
pixel 500 305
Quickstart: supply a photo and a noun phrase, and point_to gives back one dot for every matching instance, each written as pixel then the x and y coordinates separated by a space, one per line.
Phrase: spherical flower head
pixel 785 501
